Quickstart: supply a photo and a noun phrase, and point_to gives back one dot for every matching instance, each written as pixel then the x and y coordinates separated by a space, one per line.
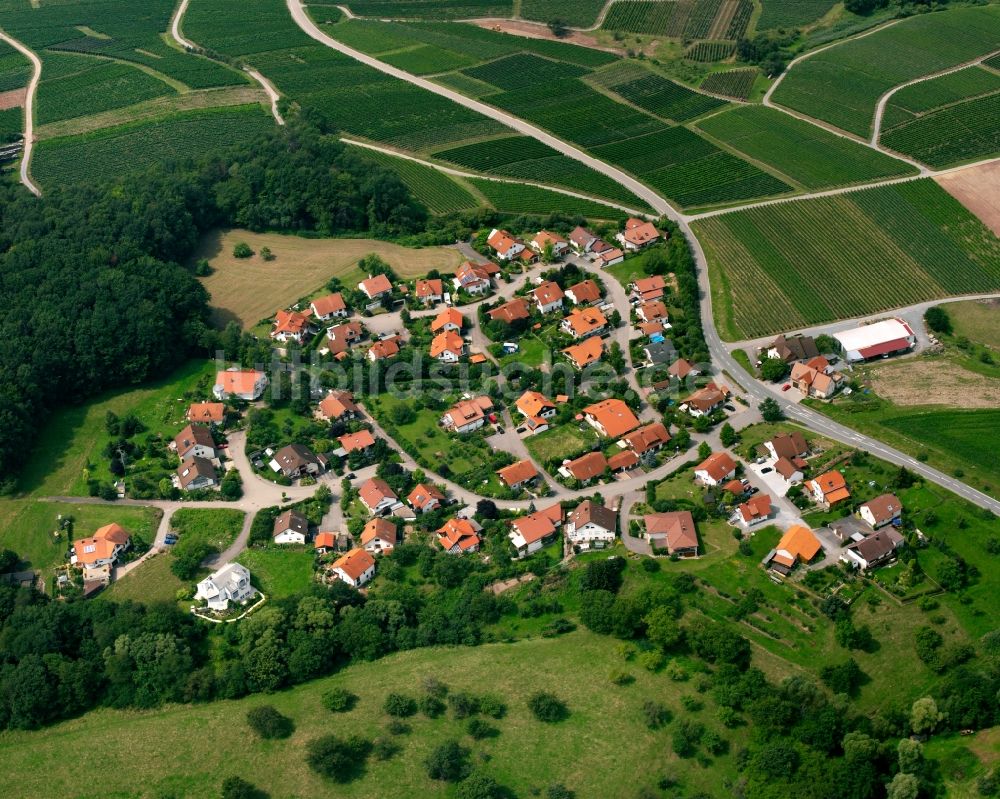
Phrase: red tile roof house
pixel 378 497
pixel 638 234
pixel 102 548
pixel 530 533
pixel 716 469
pixel 330 306
pixel 705 400
pixel 375 287
pixel 447 347
pixel 511 311
pixel 206 412
pixel 504 245
pixel 467 415
pixel 244 384
pixel 582 239
pixel 533 405
pixel 681 369
pixel 379 536
pixel 338 405
pixel 828 489
pixel 612 418
pixel 585 292
pixel 651 438
pixel 296 460
pixel 458 536
pixel 292 326
pixel 583 323
pixel 652 311
pixel 591 526
pixel 448 319
pixel 425 498
pixel 544 237
pixel 884 509
pixel 754 511
pixel 585 468
pixel 195 440
pixel 518 475
pixel 622 461
pixel 355 568
pixel 340 337
pixel 195 473
pixel 548 297
pixel 674 532
pixel 381 350
pixel 325 542
pixel 585 353
pixel 649 288
pixel 473 278
pixel 606 254
pixel 291 527
pixel 813 382
pixel 430 290
pixel 360 441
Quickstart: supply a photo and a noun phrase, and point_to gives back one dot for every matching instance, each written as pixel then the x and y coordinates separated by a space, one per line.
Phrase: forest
pixel 98 291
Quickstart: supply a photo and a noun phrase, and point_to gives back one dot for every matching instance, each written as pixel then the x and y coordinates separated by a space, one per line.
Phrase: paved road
pixel 29 111
pixel 175 26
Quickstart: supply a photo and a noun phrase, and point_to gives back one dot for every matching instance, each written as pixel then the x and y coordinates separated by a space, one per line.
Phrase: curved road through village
pixel 721 355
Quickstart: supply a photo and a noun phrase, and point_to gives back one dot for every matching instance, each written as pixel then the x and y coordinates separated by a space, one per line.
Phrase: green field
pixel 561 442
pixel 912 102
pixel 579 13
pixel 75 436
pixel 97 86
pixel 279 571
pixel 527 755
pixel 525 157
pixel 111 152
pixel 15 70
pixel 637 16
pixel 977 321
pixel 666 99
pixel 804 153
pixel 134 34
pixel 966 131
pixel 842 85
pixel 519 198
pixel 438 192
pixel 788 265
pixel 792 13
pixel 735 83
pixel 27 527
pixel 11 123
pixel 431 9
pixel 525 69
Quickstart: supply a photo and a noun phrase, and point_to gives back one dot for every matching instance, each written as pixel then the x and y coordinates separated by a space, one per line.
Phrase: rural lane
pixel 29 110
pixel 175 26
pixel 720 353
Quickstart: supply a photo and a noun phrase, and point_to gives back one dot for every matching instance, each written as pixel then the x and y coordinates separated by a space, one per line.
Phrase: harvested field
pixel 934 381
pixel 978 189
pixel 537 30
pixel 12 99
pixel 248 290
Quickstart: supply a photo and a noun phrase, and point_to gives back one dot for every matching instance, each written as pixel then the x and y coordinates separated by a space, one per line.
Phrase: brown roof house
pixel 754 511
pixel 638 234
pixel 873 550
pixel 467 415
pixel 379 536
pixel 355 568
pixel 591 526
pixel 290 527
pixel 296 460
pixel 338 405
pixel 207 412
pixel 195 473
pixel 884 509
pixel 195 441
pixel 674 532
pixel 330 306
pixel 788 445
pixel 425 497
pixel 548 297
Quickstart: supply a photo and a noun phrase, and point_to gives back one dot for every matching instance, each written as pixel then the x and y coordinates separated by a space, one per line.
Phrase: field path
pixel 461 174
pixel 271 92
pixel 175 26
pixel 29 111
pixel 721 356
pixel 883 101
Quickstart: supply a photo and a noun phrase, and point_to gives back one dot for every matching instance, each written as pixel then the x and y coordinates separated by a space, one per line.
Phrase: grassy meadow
pixel 250 289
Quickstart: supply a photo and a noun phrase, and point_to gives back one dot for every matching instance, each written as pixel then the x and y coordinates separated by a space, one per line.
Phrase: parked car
pixel 786 386
pixel 729 408
pixel 766 469
pixel 351 475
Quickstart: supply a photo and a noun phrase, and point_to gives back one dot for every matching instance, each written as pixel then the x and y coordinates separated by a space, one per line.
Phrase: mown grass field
pixel 248 290
pixel 109 153
pixel 976 321
pixel 279 571
pixel 27 527
pixel 804 153
pixel 151 753
pixel 69 446
pixel 842 85
pixel 562 441
pixel 784 266
pixel 151 582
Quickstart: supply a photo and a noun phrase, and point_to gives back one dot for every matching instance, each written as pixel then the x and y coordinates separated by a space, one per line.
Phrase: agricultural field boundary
pixel 458 173
pixel 29 111
pixel 883 101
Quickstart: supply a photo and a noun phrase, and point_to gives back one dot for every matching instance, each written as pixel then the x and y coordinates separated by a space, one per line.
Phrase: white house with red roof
pixel 375 287
pixel 458 536
pixel 355 568
pixel 504 245
pixel 530 533
pixel 329 307
pixel 472 279
pixel 716 469
pixel 544 238
pixel 244 384
pixel 548 297
pixel 638 234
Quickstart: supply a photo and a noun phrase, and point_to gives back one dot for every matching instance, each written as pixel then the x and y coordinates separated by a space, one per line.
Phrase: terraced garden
pixel 805 153
pixel 789 265
pixel 842 85
pixel 113 151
